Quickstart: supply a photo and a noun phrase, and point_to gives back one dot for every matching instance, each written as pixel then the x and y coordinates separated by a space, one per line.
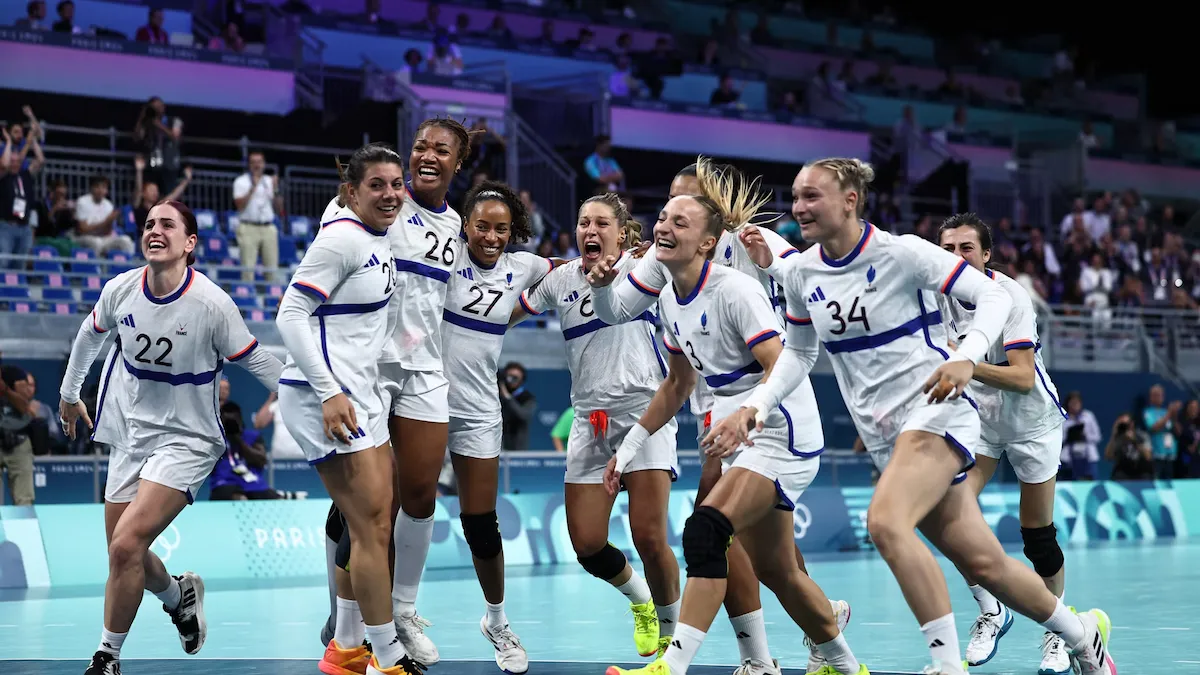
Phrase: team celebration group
pixel 394 323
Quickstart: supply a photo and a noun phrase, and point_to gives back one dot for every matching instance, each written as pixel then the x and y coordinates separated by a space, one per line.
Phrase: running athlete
pixel 621 302
pixel 333 319
pixel 719 323
pixel 615 371
pixel 872 303
pixel 483 292
pixel 426 244
pixel 1019 415
pixel 174 329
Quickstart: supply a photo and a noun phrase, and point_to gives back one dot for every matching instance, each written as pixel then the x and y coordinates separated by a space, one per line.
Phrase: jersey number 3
pixel 856 314
pixel 161 360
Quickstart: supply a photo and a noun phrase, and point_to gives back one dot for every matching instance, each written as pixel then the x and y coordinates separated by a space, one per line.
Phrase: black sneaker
pixel 103 663
pixel 327 631
pixel 188 617
pixel 409 666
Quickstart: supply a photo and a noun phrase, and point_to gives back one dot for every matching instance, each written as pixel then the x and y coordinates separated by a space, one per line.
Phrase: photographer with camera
pixel 1129 451
pixel 16 423
pixel 1081 435
pixel 516 407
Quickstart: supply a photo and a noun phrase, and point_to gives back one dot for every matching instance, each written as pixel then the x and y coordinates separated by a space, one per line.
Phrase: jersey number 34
pixel 856 313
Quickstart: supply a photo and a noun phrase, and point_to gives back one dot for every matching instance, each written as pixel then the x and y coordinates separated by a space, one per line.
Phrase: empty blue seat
pixel 63 308
pixel 14 293
pixel 58 294
pixel 83 261
pixel 90 295
pixel 300 226
pixel 46 259
pixel 246 302
pixel 215 247
pixel 12 279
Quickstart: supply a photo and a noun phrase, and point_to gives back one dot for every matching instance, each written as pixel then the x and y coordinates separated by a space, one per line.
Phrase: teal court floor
pixel 572 624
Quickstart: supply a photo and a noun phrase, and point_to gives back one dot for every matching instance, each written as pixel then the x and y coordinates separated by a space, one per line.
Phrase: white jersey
pixel 347 278
pixel 1009 416
pixel 426 243
pixel 164 372
pixel 616 369
pixel 480 301
pixel 650 277
pixel 876 312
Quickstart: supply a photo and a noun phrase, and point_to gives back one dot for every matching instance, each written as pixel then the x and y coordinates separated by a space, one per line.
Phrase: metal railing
pixel 535 166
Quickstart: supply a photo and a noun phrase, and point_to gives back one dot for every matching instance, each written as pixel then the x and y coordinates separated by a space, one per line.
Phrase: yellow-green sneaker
pixel 656 667
pixel 830 670
pixel 645 628
pixel 663 642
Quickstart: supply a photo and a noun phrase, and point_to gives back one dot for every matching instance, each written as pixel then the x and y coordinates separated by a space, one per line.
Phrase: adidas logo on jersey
pixel 572 297
pixel 416 220
pixel 372 262
pixel 468 274
pixel 817 295
pixel 128 321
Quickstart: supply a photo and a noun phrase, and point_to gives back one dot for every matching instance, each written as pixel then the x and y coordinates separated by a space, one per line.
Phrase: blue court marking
pixel 561 613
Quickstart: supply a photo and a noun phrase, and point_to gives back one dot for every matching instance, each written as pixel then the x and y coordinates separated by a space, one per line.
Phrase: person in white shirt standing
pixel 95 219
pixel 257 199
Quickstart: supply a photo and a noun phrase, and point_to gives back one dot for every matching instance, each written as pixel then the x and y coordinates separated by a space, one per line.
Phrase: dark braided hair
pixel 455 127
pixel 496 191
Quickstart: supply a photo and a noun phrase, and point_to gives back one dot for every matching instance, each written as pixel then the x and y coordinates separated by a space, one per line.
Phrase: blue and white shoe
pixel 1055 659
pixel 985 635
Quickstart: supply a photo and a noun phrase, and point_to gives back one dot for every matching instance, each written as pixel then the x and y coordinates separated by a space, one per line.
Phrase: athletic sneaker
pixel 1055 660
pixel 103 663
pixel 656 667
pixel 756 667
pixel 830 670
pixel 411 630
pixel 339 661
pixel 327 631
pixel 936 670
pixel 985 635
pixel 188 617
pixel 406 667
pixel 510 655
pixel 664 641
pixel 645 628
pixel 1092 655
pixel 841 610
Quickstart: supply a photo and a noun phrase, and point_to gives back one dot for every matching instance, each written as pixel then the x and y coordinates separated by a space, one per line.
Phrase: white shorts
pixel 479 439
pixel 180 465
pixel 1034 460
pixel 957 421
pixel 587 455
pixel 775 457
pixel 420 395
pixel 302 415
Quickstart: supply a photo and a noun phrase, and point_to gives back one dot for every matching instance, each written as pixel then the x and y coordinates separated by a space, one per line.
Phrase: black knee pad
pixel 605 564
pixel 1042 549
pixel 707 535
pixel 341 557
pixel 482 532
pixel 335 524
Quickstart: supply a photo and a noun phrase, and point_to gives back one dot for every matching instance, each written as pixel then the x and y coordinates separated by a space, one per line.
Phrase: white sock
pixel 170 595
pixel 751 632
pixel 943 643
pixel 838 654
pixel 988 604
pixel 385 644
pixel 413 536
pixel 635 589
pixel 668 616
pixel 348 628
pixel 111 642
pixel 684 644
pixel 1066 625
pixel 495 615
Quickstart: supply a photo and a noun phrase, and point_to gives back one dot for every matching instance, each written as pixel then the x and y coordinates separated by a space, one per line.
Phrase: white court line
pixel 294 623
pixel 8 625
pixel 526 623
pixel 874 623
pixel 585 623
pixel 60 625
pixel 235 623
pixel 1172 628
pixel 1190 663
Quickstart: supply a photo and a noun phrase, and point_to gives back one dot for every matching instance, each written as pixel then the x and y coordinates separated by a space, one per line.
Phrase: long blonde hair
pixel 732 200
pixel 852 174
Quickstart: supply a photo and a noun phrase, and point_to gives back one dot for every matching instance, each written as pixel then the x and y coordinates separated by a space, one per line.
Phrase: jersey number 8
pixel 446 257
pixel 855 314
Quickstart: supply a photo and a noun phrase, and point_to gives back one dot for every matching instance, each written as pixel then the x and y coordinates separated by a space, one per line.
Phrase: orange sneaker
pixel 338 661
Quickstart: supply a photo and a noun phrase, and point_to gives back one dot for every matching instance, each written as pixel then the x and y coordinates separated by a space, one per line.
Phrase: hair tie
pixel 489 193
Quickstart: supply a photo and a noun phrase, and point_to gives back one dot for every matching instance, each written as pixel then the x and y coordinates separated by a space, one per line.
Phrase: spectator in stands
pixel 1129 450
pixel 623 47
pixel 561 432
pixel 66 19
pixel 564 246
pixel 283 445
pixel 21 142
pixel 1159 419
pixel 35 17
pixel 444 57
pixel 546 248
pixel 153 31
pixel 159 144
pixel 603 169
pixel 517 406
pixel 1161 275
pixel 95 218
pixel 256 197
pixel 461 27
pixel 709 55
pixel 1187 438
pixel 537 224
pixel 230 40
pixel 500 32
pixel 1099 223
pixel 16 448
pixel 17 196
pixel 56 221
pixel 487 150
pixel 788 105
pixel 725 93
pixel 546 38
pixel 846 79
pixel 223 391
pixel 1097 282
pixel 586 42
pixel 371 12
pixel 657 64
pixel 146 193
pixel 433 13
pixel 1041 252
pixel 1081 436
pixel 1088 138
pixel 621 83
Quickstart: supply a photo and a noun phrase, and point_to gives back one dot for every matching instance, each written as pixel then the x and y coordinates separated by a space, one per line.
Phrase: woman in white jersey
pixel 719 323
pixel 427 245
pixel 616 303
pixel 615 371
pixel 174 329
pixel 333 319
pixel 483 293
pixel 871 299
pixel 1019 415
